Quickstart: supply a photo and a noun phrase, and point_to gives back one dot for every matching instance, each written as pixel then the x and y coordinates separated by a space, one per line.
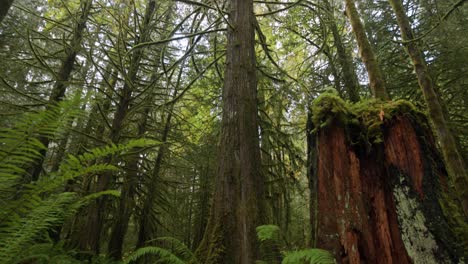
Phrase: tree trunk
pixel 236 210
pixel 376 79
pixel 311 165
pixel 146 230
pixel 344 59
pixel 63 77
pixel 379 203
pixel 126 200
pixel 453 158
pixel 4 7
pixel 203 208
pixel 93 226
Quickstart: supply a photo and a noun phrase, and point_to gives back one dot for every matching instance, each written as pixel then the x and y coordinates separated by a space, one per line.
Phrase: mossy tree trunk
pixel 376 79
pixel 63 77
pixel 4 7
pixel 127 200
pixel 350 79
pixel 230 234
pixel 453 159
pixel 311 164
pixel 147 223
pixel 91 239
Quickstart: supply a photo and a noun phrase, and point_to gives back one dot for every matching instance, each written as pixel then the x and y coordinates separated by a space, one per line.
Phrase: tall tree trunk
pixel 120 226
pixel 311 164
pixel 4 7
pixel 63 77
pixel 126 201
pixel 376 79
pixel 102 106
pixel 236 210
pixel 453 159
pixel 91 240
pixel 203 208
pixel 146 230
pixel 344 59
pixel 62 147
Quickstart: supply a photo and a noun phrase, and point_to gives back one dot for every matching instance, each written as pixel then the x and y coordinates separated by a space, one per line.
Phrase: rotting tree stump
pixel 378 202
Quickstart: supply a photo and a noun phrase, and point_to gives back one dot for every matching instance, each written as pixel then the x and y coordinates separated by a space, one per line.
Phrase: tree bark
pixel 126 200
pixel 381 205
pixel 344 59
pixel 63 77
pixel 203 208
pixel 4 7
pixel 91 240
pixel 376 79
pixel 311 165
pixel 453 159
pixel 146 229
pixel 236 210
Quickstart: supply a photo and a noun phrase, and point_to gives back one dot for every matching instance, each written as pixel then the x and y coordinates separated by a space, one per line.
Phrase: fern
pixel 269 238
pixel 21 145
pixel 267 232
pixel 48 253
pixel 179 249
pixel 29 210
pixel 309 256
pixel 176 252
pixel 164 255
pixel 19 233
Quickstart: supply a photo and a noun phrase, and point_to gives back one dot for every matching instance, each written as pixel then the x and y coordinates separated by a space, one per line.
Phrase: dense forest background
pixel 115 118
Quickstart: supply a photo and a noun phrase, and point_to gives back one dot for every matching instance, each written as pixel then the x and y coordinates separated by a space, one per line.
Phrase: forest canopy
pixel 224 131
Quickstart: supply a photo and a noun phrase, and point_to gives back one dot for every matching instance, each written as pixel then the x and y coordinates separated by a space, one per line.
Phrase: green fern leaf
pixel 309 256
pixel 164 255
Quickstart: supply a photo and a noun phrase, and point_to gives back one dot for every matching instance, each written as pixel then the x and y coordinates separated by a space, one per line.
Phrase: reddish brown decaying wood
pixel 356 217
pixel 403 151
pixel 357 214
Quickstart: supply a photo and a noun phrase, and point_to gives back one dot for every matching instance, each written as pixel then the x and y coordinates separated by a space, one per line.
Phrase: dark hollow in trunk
pixel 379 203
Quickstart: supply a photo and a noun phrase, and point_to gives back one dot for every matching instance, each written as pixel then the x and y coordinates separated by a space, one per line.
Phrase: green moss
pixel 456 219
pixel 363 120
pixel 211 248
pixel 328 107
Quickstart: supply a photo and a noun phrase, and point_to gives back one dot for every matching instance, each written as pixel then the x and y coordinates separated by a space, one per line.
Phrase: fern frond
pixel 164 255
pixel 268 232
pixel 21 145
pixel 48 253
pixel 91 197
pixel 29 210
pixel 178 248
pixel 21 232
pixel 309 256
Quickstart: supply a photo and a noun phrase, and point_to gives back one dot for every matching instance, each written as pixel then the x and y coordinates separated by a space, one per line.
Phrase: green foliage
pixel 308 256
pixel 20 231
pixel 178 248
pixel 173 251
pixel 49 253
pixel 164 256
pixel 21 143
pixel 29 210
pixel 268 232
pixel 329 107
pixel 455 218
pixel 269 237
pixel 363 120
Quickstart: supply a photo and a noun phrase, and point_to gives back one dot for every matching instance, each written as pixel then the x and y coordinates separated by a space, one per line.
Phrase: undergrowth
pixel 28 210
